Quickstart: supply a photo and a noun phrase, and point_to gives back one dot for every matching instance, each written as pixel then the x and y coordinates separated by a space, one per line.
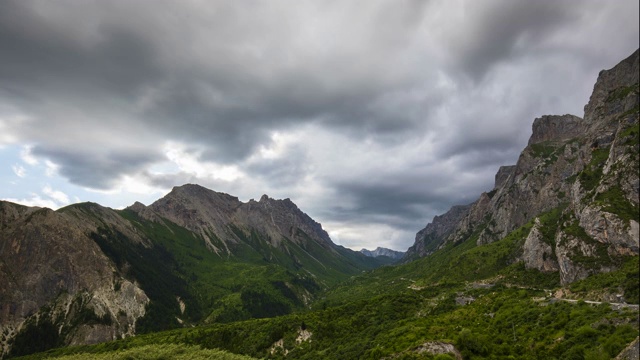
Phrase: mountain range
pixel 506 276
pixel 87 273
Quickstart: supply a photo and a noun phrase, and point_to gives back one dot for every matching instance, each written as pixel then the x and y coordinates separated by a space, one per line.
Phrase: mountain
pixel 543 266
pixel 574 187
pixel 383 252
pixel 86 273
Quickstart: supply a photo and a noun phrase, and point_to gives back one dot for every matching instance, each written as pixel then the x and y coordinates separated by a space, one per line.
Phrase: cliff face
pixel 585 170
pixel 431 237
pixel 53 274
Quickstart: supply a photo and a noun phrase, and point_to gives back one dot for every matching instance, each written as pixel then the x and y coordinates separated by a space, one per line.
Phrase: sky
pixel 372 116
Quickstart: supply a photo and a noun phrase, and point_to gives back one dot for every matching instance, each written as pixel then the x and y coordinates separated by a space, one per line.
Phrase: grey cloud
pixel 225 92
pixel 404 200
pixel 40 60
pixel 95 169
pixel 283 171
pixel 118 79
pixel 500 30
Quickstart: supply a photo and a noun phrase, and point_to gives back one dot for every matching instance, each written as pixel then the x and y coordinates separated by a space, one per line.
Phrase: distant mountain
pixel 87 273
pixel 572 197
pixel 383 252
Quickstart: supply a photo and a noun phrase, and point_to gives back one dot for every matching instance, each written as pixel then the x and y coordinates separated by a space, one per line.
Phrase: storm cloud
pixel 369 115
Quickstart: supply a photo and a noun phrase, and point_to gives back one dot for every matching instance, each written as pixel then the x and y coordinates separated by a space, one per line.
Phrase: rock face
pixel 380 251
pixel 585 170
pixel 503 174
pixel 223 221
pixel 536 253
pixel 430 238
pixel 556 128
pixel 52 272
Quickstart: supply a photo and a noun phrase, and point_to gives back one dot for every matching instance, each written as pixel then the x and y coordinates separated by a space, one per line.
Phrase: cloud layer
pixel 369 116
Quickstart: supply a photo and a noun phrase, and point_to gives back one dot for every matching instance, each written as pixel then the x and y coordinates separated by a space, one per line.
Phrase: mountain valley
pixel 198 271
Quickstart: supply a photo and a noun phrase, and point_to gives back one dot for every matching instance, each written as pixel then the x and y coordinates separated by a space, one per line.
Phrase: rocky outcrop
pixel 536 253
pixel 586 169
pixel 610 93
pixel 556 128
pixel 434 348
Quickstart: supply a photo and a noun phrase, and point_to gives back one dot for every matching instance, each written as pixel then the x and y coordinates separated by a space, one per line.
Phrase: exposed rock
pixel 504 172
pixel 431 237
pixel 623 74
pixel 631 352
pixel 464 300
pixel 556 128
pixel 222 220
pixel 278 347
pixel 303 335
pixel 202 211
pixel 51 269
pixel 570 271
pixel 608 228
pixel 536 253
pixel 438 347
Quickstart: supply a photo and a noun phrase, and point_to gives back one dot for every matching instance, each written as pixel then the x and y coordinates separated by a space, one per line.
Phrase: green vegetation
pixel 549 223
pixel 592 174
pixel 623 281
pixel 158 351
pixel 622 92
pixel 614 201
pixel 543 149
pixel 501 322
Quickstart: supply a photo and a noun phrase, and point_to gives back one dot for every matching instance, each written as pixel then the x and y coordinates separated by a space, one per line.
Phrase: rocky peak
pixel 137 207
pixel 380 251
pixel 614 84
pixel 197 193
pixel 280 218
pixel 556 128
